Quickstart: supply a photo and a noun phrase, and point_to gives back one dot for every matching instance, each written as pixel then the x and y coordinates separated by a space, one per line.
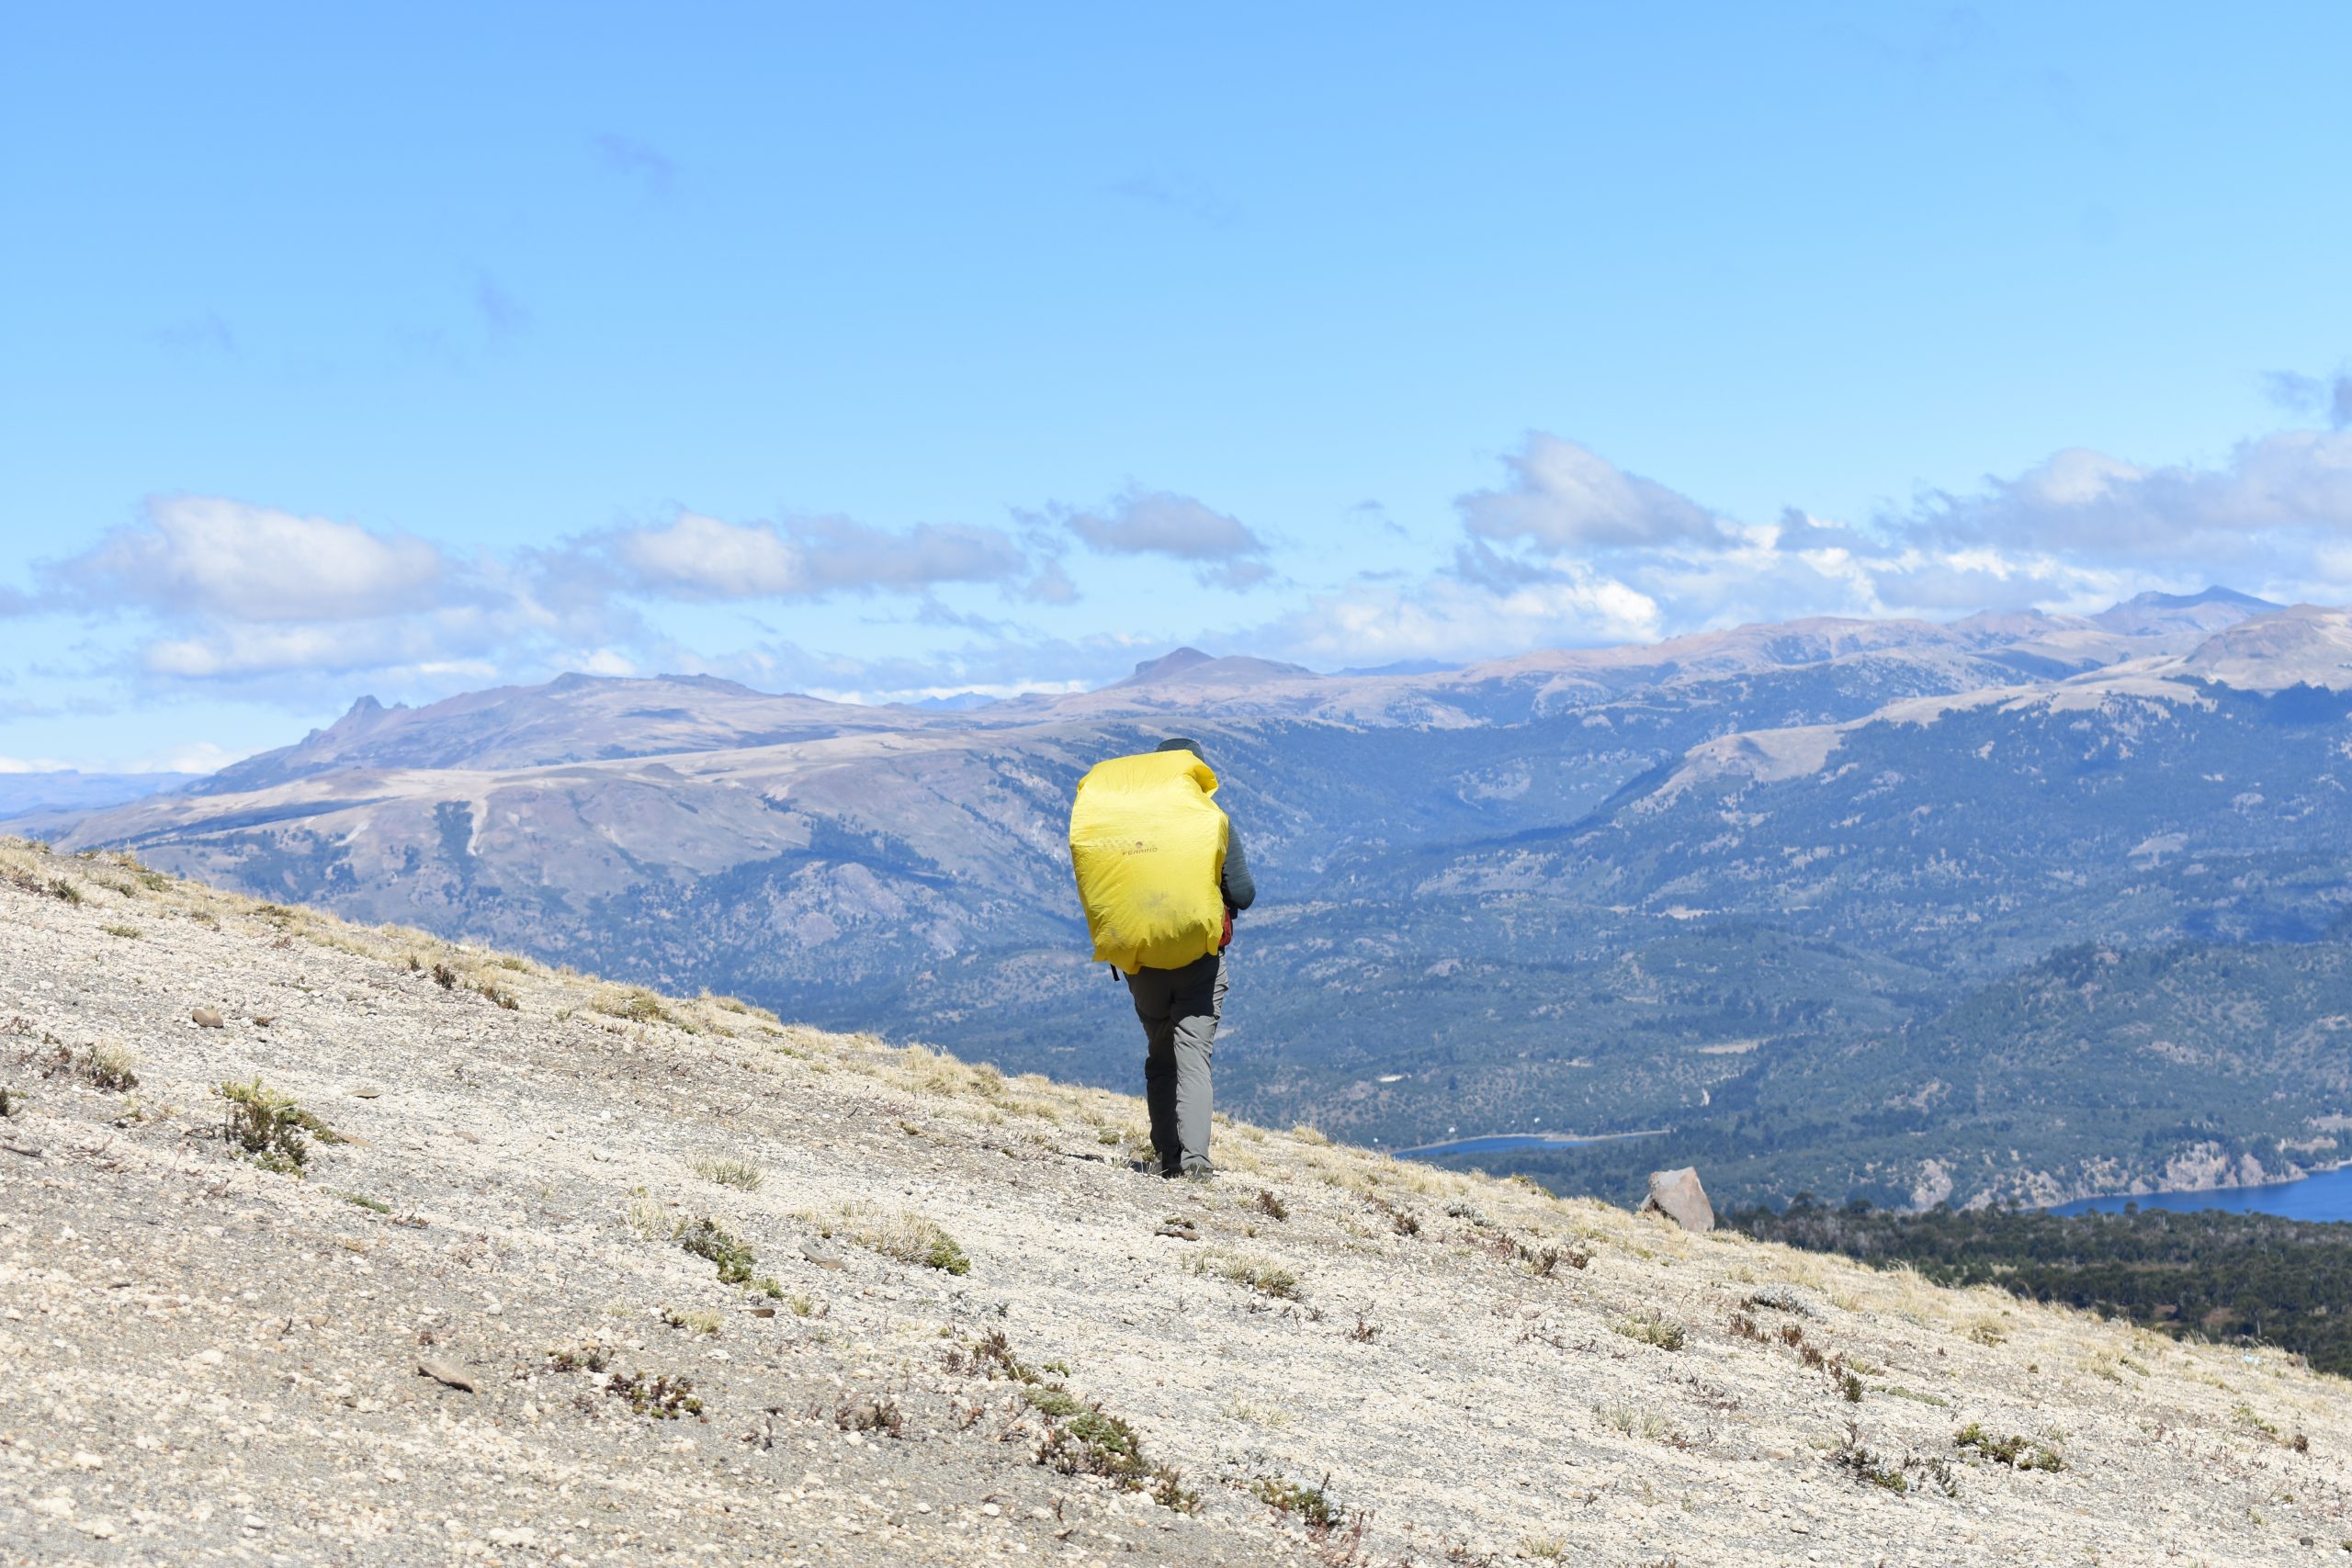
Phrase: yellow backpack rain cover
pixel 1148 846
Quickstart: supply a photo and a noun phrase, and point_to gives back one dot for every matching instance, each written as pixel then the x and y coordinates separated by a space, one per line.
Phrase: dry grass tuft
pixel 905 1236
pixel 728 1171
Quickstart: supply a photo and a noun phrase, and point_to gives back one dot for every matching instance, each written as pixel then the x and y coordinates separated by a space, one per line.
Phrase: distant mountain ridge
pixel 1609 889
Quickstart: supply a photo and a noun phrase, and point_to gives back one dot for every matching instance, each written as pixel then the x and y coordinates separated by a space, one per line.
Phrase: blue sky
pixel 887 350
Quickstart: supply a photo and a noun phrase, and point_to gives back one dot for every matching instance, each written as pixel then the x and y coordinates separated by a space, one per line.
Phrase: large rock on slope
pixel 1678 1195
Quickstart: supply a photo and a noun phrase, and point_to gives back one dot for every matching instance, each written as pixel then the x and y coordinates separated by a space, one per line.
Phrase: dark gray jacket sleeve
pixel 1238 890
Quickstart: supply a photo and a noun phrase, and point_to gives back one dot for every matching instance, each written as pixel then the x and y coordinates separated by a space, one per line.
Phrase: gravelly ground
pixel 200 1359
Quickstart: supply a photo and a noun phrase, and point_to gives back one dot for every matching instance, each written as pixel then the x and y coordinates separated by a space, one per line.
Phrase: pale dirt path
pixel 200 1359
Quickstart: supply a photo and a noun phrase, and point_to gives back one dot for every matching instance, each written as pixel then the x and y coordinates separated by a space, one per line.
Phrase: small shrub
pixel 1310 1506
pixel 1867 1465
pixel 1542 1548
pixel 589 1358
pixel 695 1322
pixel 129 933
pixel 663 1398
pixel 2016 1452
pixel 990 1356
pixel 1896 1390
pixel 634 1003
pixel 1987 1331
pixel 1266 1279
pixel 2244 1415
pixel 728 1171
pixel 373 1205
pixel 1543 1261
pixel 107 1064
pixel 63 890
pixel 1270 1205
pixel 1167 1489
pixel 906 1237
pixel 1781 1298
pixel 1081 1438
pixel 1090 1441
pixel 499 994
pixel 1651 1328
pixel 649 1218
pixel 269 1128
pixel 1646 1425
pixel 1052 1399
pixel 706 1239
pixel 444 976
pixel 868 1415
pixel 1363 1333
pixel 1851 1387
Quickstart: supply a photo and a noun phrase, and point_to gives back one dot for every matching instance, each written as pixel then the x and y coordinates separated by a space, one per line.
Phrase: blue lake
pixel 2327 1196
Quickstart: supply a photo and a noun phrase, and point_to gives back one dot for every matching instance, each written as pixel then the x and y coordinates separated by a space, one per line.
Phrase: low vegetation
pixel 1646 1425
pixel 1651 1328
pixel 728 1171
pixel 661 1398
pixel 705 1237
pixel 634 1003
pixel 269 1128
pixel 1252 1273
pixel 1310 1506
pixel 2016 1452
pixel 1081 1438
pixel 106 1065
pixel 905 1236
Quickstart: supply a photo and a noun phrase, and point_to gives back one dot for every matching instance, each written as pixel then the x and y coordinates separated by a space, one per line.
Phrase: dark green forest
pixel 2244 1278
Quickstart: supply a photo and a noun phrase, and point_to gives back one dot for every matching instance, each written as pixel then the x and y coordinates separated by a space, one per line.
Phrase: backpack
pixel 1147 845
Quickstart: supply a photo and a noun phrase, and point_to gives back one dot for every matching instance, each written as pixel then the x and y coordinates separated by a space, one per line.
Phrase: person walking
pixel 1161 875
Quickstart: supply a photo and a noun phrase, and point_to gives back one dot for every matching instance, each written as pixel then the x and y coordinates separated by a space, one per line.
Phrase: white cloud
pixel 1052 585
pixel 1141 522
pixel 700 555
pixel 2075 531
pixel 1447 617
pixel 705 557
pixel 199 757
pixel 1567 497
pixel 207 555
pixel 33 765
pixel 2283 492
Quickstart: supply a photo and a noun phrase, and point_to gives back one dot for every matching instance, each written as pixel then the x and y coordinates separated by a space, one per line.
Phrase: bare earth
pixel 201 1358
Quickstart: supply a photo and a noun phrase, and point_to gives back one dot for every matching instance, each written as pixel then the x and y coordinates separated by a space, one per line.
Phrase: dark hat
pixel 1181 743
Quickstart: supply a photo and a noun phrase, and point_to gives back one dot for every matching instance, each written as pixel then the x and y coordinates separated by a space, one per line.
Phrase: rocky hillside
pixel 481 1261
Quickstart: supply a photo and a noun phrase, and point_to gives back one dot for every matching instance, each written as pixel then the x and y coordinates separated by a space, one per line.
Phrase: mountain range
pixel 1810 901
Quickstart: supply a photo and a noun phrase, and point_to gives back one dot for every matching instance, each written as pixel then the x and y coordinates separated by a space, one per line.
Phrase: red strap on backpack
pixel 1226 940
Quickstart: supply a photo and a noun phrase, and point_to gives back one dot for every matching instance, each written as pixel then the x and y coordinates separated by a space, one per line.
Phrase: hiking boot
pixel 1204 1172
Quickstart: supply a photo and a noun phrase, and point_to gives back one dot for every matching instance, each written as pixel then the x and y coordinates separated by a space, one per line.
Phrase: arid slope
pixel 205 1359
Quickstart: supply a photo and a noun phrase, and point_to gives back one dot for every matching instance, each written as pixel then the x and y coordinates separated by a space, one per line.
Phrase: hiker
pixel 1162 874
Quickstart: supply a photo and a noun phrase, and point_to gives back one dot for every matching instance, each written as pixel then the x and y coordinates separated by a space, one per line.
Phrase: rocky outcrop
pixel 1678 1195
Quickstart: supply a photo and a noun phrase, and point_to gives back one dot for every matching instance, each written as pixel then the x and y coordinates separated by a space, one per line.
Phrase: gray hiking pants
pixel 1180 1010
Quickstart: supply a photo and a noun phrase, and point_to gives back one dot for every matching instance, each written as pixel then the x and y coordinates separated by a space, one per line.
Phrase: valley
pixel 2025 907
